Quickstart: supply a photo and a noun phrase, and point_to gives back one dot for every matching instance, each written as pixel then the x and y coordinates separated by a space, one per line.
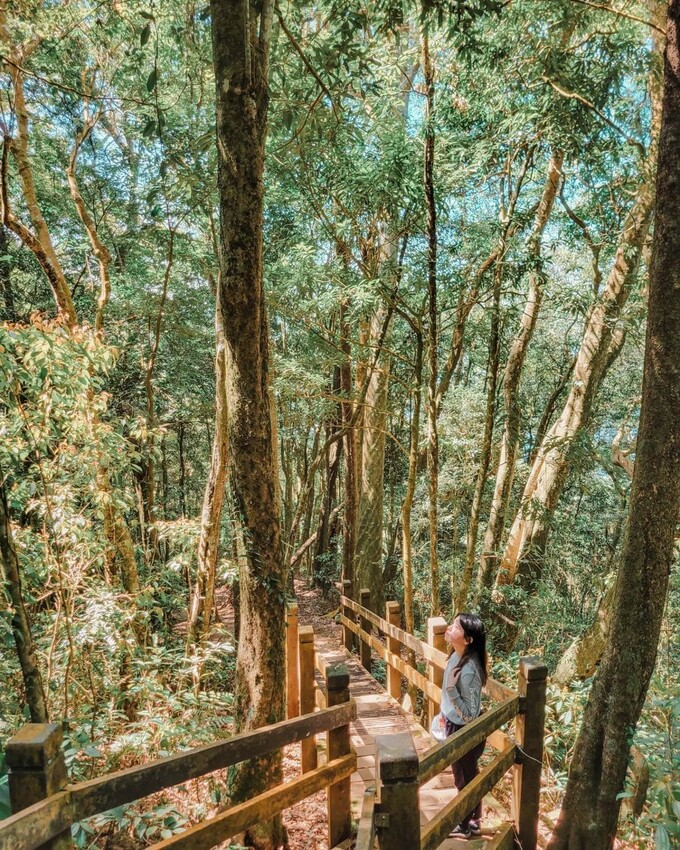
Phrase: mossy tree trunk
pixel 591 805
pixel 241 39
pixel 21 626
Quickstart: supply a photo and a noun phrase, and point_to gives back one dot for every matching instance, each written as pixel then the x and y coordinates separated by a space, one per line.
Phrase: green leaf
pixel 145 35
pixel 152 80
pixel 663 841
pixel 148 16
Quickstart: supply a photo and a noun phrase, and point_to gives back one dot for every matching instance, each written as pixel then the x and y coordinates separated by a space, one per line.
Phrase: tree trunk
pixel 329 495
pixel 203 593
pixel 368 555
pixel 10 313
pixel 21 627
pixel 432 434
pixel 591 804
pixel 460 601
pixel 351 493
pixel 522 560
pixel 513 372
pixel 241 37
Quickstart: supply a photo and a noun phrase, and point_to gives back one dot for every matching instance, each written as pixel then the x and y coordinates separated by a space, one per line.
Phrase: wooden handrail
pixel 205 835
pixel 438 828
pixel 366 829
pixel 421 647
pixel 107 792
pixel 496 690
pixel 440 756
pixel 31 828
pixel 408 672
pixel 504 839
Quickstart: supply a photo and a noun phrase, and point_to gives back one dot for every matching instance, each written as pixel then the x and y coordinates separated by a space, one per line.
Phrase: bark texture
pixel 241 37
pixel 369 541
pixel 590 809
pixel 203 593
pixel 21 627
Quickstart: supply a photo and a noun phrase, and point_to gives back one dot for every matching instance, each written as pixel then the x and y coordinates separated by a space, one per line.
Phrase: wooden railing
pixel 391 813
pixel 37 771
pixel 46 806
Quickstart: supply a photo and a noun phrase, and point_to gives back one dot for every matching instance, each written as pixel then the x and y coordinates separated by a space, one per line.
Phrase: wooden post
pixel 393 617
pixel 398 813
pixel 293 661
pixel 37 770
pixel 347 635
pixel 436 626
pixel 365 602
pixel 529 728
pixel 307 688
pixel 339 794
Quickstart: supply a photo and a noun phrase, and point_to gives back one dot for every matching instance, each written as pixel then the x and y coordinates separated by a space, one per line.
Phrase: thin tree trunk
pixel 38 240
pixel 182 470
pixel 203 593
pixel 329 495
pixel 591 804
pixel 460 602
pixel 407 507
pixel 368 554
pixel 351 493
pixel 241 38
pixel 432 434
pixel 21 626
pixel 10 313
pixel 513 373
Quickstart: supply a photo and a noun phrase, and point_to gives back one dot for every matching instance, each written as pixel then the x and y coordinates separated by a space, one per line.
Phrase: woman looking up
pixel 464 677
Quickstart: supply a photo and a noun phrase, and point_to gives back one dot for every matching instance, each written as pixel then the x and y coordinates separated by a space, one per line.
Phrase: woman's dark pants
pixel 465 770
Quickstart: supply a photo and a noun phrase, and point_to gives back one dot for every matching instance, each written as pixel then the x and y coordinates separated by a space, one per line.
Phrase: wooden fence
pixel 318 702
pixel 46 805
pixel 391 814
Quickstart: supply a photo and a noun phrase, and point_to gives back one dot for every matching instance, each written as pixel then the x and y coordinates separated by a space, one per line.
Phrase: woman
pixel 464 677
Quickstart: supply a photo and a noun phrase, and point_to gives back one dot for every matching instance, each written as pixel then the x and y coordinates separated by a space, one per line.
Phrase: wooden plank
pixel 320 698
pixel 116 789
pixel 413 676
pixel 339 793
pixel 438 828
pixel 308 756
pixel 414 643
pixel 439 757
pixel 366 831
pixel 292 661
pixel 364 649
pixel 498 740
pixel 526 781
pixel 206 835
pixel 321 664
pixel 393 616
pixel 497 691
pixel 436 630
pixel 33 827
pixel 504 839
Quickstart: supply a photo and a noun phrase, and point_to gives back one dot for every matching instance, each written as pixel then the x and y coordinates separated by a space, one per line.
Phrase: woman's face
pixel 455 635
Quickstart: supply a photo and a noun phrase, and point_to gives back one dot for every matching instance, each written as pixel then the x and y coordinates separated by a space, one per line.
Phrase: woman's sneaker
pixel 460 832
pixel 475 827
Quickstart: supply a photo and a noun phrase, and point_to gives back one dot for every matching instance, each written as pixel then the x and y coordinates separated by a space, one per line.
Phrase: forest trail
pixel 379 714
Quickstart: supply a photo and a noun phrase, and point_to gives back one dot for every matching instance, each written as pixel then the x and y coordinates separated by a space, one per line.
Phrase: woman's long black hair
pixel 474 629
